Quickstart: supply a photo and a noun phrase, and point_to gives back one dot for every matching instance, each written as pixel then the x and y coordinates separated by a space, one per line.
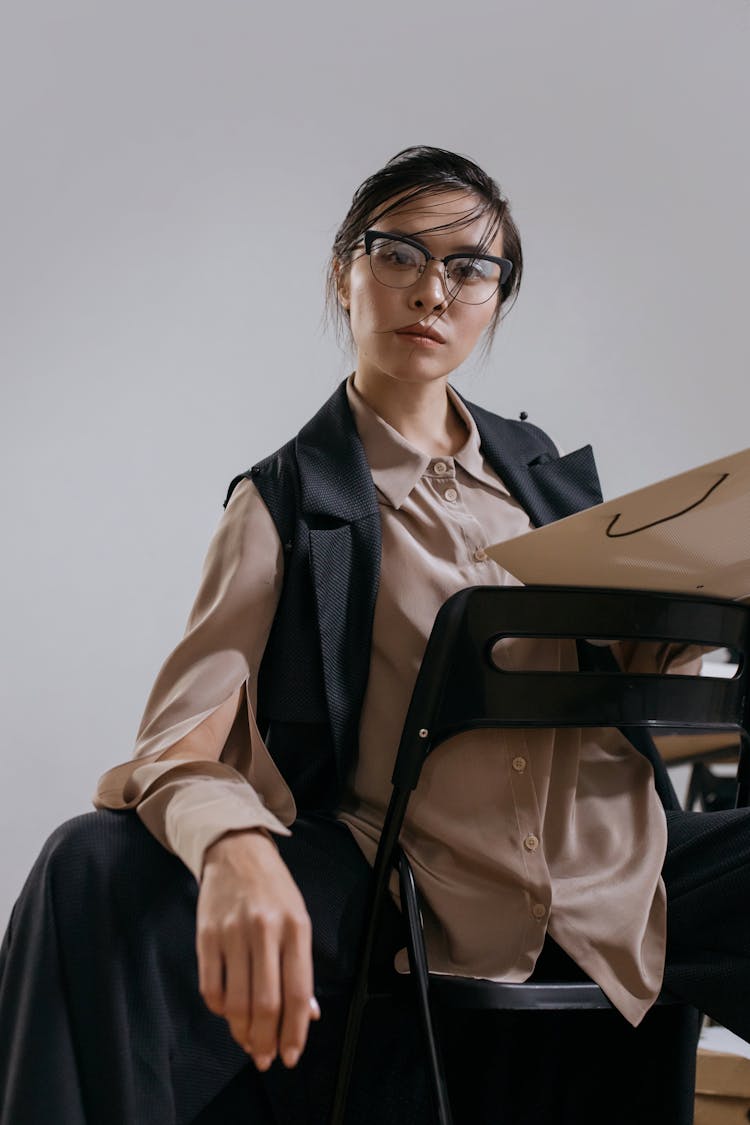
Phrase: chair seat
pixel 470 992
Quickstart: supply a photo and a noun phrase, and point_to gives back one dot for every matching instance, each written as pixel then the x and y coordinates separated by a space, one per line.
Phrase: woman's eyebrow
pixel 466 249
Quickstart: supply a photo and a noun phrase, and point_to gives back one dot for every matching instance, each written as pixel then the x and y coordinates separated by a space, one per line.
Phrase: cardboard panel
pixel 687 534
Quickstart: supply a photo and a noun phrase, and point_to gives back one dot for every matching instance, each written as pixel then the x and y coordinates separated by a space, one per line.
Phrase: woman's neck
pixel 421 412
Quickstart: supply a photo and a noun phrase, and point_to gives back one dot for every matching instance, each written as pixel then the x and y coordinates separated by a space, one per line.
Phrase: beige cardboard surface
pixel 722 1078
pixel 719 1073
pixel 711 1110
pixel 687 534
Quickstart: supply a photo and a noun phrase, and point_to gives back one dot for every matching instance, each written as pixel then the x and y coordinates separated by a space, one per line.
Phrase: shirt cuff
pixel 189 814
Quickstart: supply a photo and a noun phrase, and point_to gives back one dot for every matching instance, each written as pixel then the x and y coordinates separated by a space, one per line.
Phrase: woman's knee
pixel 105 861
pixel 102 842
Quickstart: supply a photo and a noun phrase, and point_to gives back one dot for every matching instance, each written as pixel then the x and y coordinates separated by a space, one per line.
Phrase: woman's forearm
pixel 206 741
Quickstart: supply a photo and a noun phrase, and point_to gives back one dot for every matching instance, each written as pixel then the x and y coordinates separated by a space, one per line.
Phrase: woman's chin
pixel 412 369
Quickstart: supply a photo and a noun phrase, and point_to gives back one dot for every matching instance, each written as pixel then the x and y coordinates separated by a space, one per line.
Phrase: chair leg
pixel 420 974
pixel 388 837
pixel 743 765
pixel 349 1051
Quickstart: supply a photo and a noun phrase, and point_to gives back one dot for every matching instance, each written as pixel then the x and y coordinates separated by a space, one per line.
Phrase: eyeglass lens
pixel 398 264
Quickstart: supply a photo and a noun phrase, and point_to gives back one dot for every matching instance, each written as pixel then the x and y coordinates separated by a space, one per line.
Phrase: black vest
pixel 320 493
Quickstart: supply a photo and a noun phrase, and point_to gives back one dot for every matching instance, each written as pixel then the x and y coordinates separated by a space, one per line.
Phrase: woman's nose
pixel 429 288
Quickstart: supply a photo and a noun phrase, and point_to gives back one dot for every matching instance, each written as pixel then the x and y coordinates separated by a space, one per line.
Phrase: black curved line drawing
pixel 665 519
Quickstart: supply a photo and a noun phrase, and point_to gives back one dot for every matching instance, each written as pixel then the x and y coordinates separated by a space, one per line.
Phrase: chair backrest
pixel 460 686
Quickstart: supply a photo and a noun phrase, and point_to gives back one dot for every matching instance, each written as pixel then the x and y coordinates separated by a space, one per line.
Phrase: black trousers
pixel 101 1022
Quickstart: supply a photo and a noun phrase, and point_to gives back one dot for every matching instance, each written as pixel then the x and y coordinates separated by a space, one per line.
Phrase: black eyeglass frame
pixel 506 266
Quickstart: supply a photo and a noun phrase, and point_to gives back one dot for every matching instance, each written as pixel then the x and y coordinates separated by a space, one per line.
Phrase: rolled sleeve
pixel 188 804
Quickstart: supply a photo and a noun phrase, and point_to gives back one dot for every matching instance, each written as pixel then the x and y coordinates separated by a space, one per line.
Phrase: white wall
pixel 155 152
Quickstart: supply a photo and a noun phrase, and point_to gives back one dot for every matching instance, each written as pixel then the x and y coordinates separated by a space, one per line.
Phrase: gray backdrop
pixel 173 174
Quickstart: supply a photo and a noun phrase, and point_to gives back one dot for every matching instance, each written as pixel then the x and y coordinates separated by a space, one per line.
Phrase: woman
pixel 262 764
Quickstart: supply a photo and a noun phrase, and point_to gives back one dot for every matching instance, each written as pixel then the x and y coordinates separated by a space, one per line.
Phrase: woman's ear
pixel 342 284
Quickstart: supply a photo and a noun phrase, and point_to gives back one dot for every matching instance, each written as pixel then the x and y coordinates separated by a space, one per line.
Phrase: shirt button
pixel 538 910
pixel 519 764
pixel 531 843
pixel 440 468
pixel 451 495
pixel 480 554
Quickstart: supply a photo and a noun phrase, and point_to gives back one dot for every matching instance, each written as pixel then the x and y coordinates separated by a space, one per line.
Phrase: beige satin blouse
pixel 510 833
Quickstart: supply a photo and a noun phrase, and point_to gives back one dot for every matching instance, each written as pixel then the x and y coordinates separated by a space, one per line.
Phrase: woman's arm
pixel 254 946
pixel 209 736
pixel 201 781
pixel 253 936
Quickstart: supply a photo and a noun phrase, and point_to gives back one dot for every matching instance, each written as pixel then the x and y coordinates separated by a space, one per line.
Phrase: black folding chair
pixel 459 687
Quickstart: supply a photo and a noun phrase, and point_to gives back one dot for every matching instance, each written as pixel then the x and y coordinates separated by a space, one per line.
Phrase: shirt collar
pixel 396 465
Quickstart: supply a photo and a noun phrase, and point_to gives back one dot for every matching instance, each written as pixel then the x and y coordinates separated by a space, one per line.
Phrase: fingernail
pixel 263 1061
pixel 314 1007
pixel 291 1057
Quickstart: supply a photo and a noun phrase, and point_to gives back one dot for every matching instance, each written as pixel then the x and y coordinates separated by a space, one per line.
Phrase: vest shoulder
pixel 523 435
pixel 272 475
pixel 277 474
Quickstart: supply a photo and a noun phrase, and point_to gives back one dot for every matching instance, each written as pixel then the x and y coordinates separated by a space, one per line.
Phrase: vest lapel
pixel 546 486
pixel 340 508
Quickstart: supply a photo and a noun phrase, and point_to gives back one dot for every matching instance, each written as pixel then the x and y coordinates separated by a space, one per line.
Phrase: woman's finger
pixel 210 969
pixel 297 990
pixel 237 984
pixel 265 990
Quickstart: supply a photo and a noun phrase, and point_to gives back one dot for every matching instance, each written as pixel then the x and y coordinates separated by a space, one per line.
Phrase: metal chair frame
pixel 459 687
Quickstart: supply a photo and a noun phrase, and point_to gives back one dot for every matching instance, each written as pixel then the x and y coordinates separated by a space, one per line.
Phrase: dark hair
pixel 410 174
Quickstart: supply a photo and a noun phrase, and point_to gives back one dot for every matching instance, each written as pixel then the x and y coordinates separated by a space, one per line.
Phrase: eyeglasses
pixel 398 261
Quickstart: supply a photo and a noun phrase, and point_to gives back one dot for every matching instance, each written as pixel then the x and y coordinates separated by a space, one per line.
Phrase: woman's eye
pixel 396 254
pixel 469 269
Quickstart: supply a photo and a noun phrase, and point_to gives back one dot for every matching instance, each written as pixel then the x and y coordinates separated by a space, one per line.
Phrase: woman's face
pixel 378 314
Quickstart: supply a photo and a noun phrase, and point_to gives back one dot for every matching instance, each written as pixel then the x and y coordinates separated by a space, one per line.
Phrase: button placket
pixel 534 863
pixel 445 471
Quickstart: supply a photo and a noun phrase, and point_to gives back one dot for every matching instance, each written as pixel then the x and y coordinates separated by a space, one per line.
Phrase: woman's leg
pixel 101 1021
pixel 100 1015
pixel 707 876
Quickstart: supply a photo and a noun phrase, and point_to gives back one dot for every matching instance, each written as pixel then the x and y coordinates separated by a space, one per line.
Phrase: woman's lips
pixel 417 338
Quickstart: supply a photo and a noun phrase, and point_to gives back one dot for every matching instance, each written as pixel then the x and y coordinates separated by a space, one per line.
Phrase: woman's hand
pixel 254 946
